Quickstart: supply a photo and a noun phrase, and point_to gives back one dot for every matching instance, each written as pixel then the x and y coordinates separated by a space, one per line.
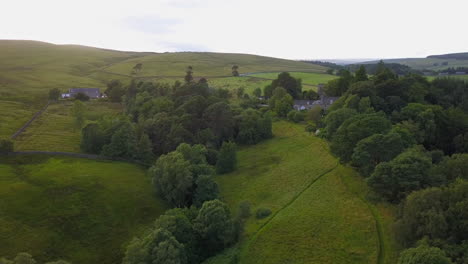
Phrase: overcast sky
pixel 294 29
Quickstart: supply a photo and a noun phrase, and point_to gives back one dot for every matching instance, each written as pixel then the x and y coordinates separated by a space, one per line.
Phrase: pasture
pixel 308 78
pixel 80 210
pixel 55 129
pixel 318 214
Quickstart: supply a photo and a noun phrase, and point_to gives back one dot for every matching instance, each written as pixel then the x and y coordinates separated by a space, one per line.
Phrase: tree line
pixel 408 137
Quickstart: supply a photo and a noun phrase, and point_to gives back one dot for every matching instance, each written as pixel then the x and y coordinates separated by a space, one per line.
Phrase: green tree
pixel 214 226
pixel 54 94
pixel 257 92
pixel 144 150
pixel 172 178
pixel 220 120
pixel 361 74
pixel 206 190
pixel 227 159
pixel 188 74
pixel 158 246
pixel 78 112
pixel 115 90
pixel 81 97
pixel 311 127
pixel 423 255
pixel 92 139
pixel 235 70
pixel 335 119
pixel 402 175
pixel 292 86
pixel 123 143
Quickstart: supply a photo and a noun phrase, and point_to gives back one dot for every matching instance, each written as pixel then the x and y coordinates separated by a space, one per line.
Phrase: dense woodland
pixel 408 137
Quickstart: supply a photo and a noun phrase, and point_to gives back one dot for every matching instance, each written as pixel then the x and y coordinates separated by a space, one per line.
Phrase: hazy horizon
pixel 300 30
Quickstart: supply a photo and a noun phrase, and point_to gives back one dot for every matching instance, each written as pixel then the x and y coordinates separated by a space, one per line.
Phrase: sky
pixel 292 29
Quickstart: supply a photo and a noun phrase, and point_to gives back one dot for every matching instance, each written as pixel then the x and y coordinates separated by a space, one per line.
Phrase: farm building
pixel 324 102
pixel 91 92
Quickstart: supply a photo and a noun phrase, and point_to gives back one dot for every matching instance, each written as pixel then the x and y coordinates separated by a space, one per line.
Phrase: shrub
pixel 244 209
pixel 6 146
pixel 82 97
pixel 262 213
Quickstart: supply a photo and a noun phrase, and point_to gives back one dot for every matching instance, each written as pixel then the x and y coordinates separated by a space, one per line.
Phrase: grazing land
pixel 14 115
pixel 431 63
pixel 315 211
pixel 308 78
pixel 55 130
pixel 461 77
pixel 75 209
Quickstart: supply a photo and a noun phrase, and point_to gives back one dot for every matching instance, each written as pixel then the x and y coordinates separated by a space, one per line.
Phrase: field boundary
pixel 35 116
pixel 73 155
pixel 378 225
pixel 259 230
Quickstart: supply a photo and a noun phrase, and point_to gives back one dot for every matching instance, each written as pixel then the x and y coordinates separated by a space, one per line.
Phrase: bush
pixel 262 213
pixel 244 209
pixel 6 146
pixel 82 97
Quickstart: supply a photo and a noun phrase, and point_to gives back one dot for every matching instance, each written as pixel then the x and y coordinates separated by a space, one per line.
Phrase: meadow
pixel 428 63
pixel 55 129
pixel 314 212
pixel 461 77
pixel 308 78
pixel 13 116
pixel 80 210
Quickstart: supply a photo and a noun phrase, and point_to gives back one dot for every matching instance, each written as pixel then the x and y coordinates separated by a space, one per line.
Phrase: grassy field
pixel 76 209
pixel 428 63
pixel 308 78
pixel 461 77
pixel 316 217
pixel 207 64
pixel 55 130
pixel 13 116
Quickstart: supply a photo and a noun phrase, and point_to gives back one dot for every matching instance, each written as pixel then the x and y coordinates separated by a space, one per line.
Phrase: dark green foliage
pixel 334 120
pixel 172 178
pixel 253 127
pixel 115 90
pixel 295 116
pixel 281 102
pixel 144 151
pixel 189 74
pixel 361 74
pixel 207 190
pixel 292 86
pixel 450 168
pixel 439 214
pixel 123 143
pixel 26 258
pixel 227 159
pixel 212 156
pixel 377 148
pixel 311 127
pixel 220 120
pixel 262 213
pixel 214 226
pixel 244 210
pixel 92 139
pixel 6 146
pixel 158 246
pixel 257 92
pixel 399 177
pixel 54 94
pixel 82 97
pixel 423 255
pixel 355 129
pixel 235 71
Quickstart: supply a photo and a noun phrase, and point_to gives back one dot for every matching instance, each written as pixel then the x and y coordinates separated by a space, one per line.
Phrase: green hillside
pixel 436 62
pixel 75 209
pixel 317 217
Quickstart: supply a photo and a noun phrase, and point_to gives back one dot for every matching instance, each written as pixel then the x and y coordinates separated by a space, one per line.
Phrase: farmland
pixel 295 177
pixel 76 209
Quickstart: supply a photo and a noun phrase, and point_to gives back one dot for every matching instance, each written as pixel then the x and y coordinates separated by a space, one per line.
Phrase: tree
pixel 137 68
pixel 6 146
pixel 82 97
pixel 361 74
pixel 206 190
pixel 354 129
pixel 235 70
pixel 227 159
pixel 123 143
pixel 92 139
pixel 335 119
pixel 402 175
pixel 78 112
pixel 311 127
pixel 257 92
pixel 172 178
pixel 292 86
pixel 281 102
pixel 158 246
pixel 423 255
pixel 24 258
pixel 115 90
pixel 189 74
pixel 54 94
pixel 214 226
pixel 144 150
pixel 220 120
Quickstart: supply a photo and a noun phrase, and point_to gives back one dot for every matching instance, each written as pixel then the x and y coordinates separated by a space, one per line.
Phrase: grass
pixel 55 130
pixel 76 209
pixel 428 63
pixel 308 78
pixel 13 116
pixel 208 64
pixel 461 77
pixel 318 216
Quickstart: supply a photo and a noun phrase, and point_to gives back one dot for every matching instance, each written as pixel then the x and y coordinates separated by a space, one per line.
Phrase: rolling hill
pixel 433 62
